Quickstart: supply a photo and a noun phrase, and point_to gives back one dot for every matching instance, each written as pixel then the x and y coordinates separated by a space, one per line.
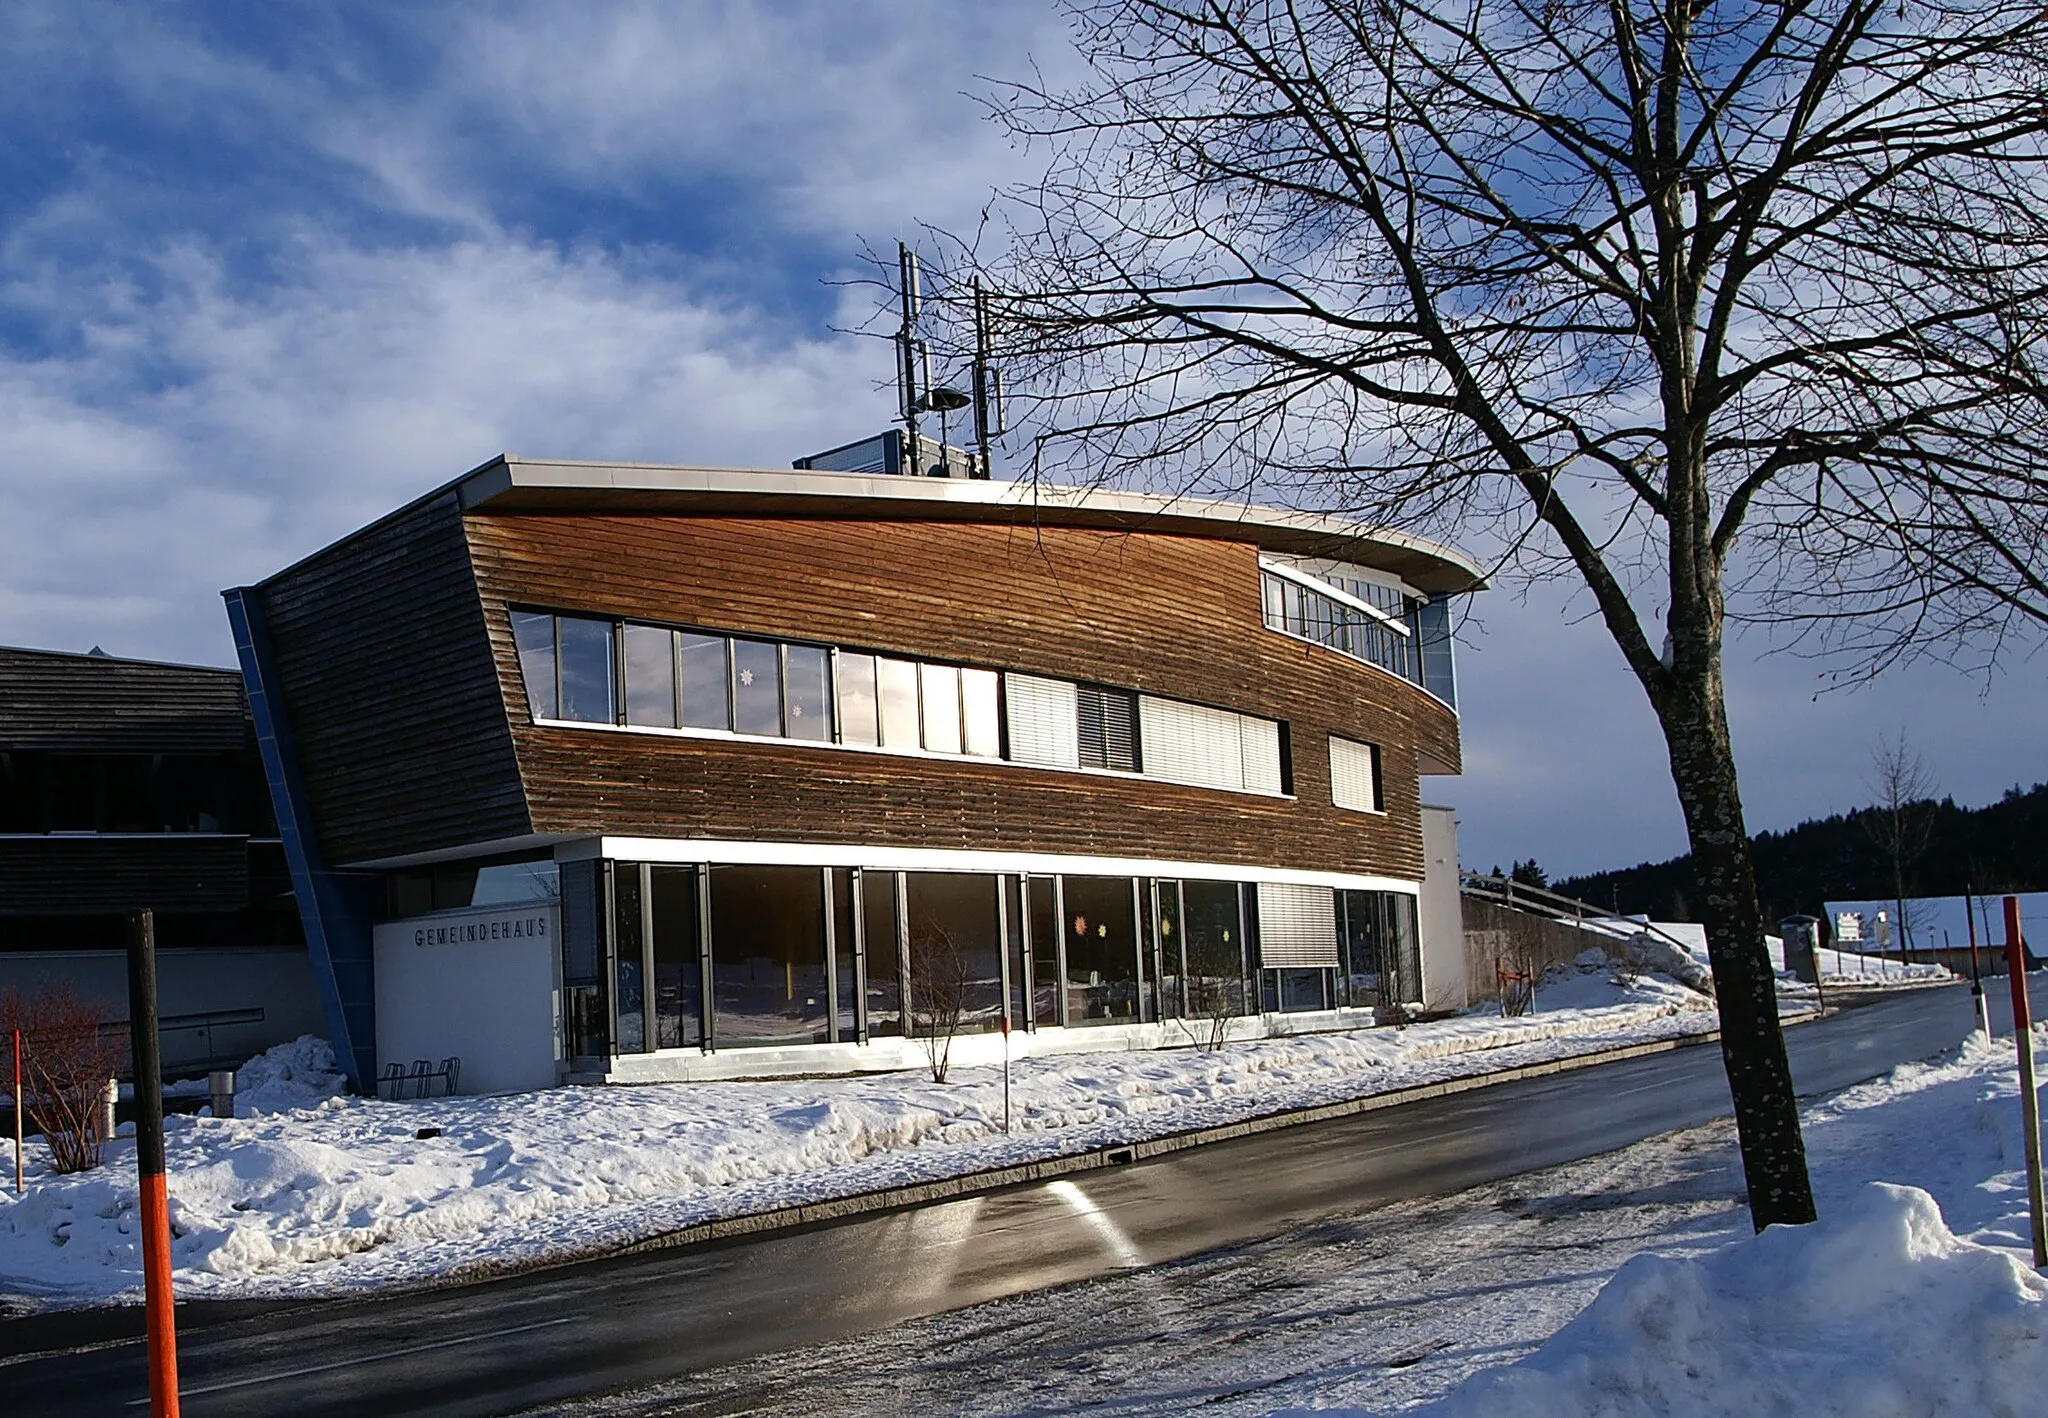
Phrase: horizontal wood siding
pixel 97 704
pixel 391 694
pixel 1166 615
pixel 169 872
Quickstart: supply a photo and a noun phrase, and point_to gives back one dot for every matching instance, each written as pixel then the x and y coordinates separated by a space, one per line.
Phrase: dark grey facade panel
pixel 93 703
pixel 387 679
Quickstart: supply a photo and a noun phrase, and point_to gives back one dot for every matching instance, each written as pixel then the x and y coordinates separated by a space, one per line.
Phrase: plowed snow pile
pixel 1876 1311
pixel 310 1192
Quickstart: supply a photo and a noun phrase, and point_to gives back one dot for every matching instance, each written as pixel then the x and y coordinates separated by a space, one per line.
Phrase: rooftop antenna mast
pixel 990 419
pixel 912 358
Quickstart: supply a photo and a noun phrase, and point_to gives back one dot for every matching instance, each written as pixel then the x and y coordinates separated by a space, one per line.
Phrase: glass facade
pixel 767 956
pixel 1411 637
pixel 734 957
pixel 956 940
pixel 1101 925
pixel 672 918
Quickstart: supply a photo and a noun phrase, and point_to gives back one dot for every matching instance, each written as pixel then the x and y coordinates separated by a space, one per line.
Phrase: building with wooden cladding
pixel 127 783
pixel 629 772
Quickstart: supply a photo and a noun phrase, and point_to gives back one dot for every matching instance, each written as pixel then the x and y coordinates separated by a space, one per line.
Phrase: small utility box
pixel 1802 946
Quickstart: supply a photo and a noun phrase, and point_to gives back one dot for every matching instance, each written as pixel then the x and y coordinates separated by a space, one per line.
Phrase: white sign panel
pixel 1848 926
pixel 478 985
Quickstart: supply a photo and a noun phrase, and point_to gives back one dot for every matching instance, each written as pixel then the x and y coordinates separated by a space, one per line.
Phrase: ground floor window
pixel 767 956
pixel 658 956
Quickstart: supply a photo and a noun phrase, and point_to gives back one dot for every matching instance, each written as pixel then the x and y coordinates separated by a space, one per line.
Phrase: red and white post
pixel 2030 1097
pixel 149 1165
pixel 19 1188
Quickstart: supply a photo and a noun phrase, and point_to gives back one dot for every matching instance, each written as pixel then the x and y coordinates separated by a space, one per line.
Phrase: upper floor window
pixel 1349 611
pixel 586 670
pixel 1355 780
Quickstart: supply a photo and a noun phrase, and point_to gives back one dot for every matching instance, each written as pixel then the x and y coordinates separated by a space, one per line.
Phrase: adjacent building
pixel 127 783
pixel 594 772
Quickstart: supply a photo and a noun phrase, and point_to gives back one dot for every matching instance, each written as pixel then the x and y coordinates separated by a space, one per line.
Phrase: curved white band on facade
pixel 826 854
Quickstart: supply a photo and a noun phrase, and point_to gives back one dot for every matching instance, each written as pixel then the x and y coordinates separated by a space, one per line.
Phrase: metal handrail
pixel 1540 900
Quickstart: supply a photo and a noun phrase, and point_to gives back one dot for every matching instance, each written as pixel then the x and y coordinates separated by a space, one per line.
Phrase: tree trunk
pixel 1695 727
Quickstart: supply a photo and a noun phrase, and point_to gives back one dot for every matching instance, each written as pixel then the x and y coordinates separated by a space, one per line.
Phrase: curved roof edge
pixel 512 484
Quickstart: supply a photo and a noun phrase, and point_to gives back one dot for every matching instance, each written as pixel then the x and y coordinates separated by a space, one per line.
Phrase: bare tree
pixel 1723 311
pixel 1215 987
pixel 68 1057
pixel 939 989
pixel 1900 821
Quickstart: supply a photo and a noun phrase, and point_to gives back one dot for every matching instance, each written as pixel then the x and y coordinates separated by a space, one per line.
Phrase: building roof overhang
pixel 509 484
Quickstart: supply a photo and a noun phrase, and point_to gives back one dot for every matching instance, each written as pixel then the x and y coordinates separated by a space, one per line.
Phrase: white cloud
pixel 295 414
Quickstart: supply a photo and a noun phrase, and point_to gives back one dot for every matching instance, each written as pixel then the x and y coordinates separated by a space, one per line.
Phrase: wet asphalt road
pixel 554 1335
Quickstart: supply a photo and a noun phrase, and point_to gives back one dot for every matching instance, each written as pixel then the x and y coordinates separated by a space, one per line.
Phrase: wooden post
pixel 149 1165
pixel 2030 1098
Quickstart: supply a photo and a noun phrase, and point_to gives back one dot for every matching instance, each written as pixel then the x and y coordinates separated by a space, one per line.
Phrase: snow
pixel 1876 1309
pixel 1887 1307
pixel 310 1192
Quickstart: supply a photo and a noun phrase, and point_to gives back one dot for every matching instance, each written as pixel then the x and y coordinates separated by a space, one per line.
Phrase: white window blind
pixel 1354 775
pixel 1043 720
pixel 1191 743
pixel 1297 926
pixel 1260 740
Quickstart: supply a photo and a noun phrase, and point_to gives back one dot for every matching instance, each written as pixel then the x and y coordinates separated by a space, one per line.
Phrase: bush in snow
pixel 67 1058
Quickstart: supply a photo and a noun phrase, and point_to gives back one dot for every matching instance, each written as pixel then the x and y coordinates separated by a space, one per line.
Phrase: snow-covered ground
pixel 1843 968
pixel 309 1192
pixel 1627 1284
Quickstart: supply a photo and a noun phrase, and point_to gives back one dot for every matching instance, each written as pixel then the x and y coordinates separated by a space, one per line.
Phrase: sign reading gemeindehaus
pixel 475 985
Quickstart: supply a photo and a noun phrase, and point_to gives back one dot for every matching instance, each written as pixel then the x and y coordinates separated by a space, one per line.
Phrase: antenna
pixel 989 422
pixel 913 361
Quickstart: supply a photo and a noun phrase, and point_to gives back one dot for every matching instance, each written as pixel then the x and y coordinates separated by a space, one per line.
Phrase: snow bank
pixel 308 1192
pixel 301 1074
pixel 1876 1310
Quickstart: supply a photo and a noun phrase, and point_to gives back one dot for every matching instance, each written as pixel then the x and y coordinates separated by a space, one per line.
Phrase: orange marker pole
pixel 2030 1097
pixel 149 1165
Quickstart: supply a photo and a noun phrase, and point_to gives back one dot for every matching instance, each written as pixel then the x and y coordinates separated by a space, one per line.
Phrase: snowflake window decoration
pixel 746 676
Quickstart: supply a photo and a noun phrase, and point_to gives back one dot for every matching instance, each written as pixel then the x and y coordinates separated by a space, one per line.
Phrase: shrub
pixel 67 1056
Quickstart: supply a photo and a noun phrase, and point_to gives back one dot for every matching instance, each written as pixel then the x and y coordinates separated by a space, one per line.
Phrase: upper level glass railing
pixel 1367 619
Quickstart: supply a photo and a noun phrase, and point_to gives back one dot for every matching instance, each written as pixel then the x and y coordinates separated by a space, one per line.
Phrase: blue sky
pixel 268 270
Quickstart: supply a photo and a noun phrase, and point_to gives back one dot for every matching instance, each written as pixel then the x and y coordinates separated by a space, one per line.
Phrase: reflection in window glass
pixel 846 977
pixel 585 647
pixel 1213 947
pixel 1045 949
pixel 954 949
pixel 534 635
pixel 706 682
pixel 515 883
pixel 857 721
pixel 678 979
pixel 1102 943
pixel 884 971
pixel 650 676
pixel 897 684
pixel 767 955
pixel 757 687
pixel 626 952
pixel 1173 1001
pixel 941 689
pixel 808 701
pixel 980 721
